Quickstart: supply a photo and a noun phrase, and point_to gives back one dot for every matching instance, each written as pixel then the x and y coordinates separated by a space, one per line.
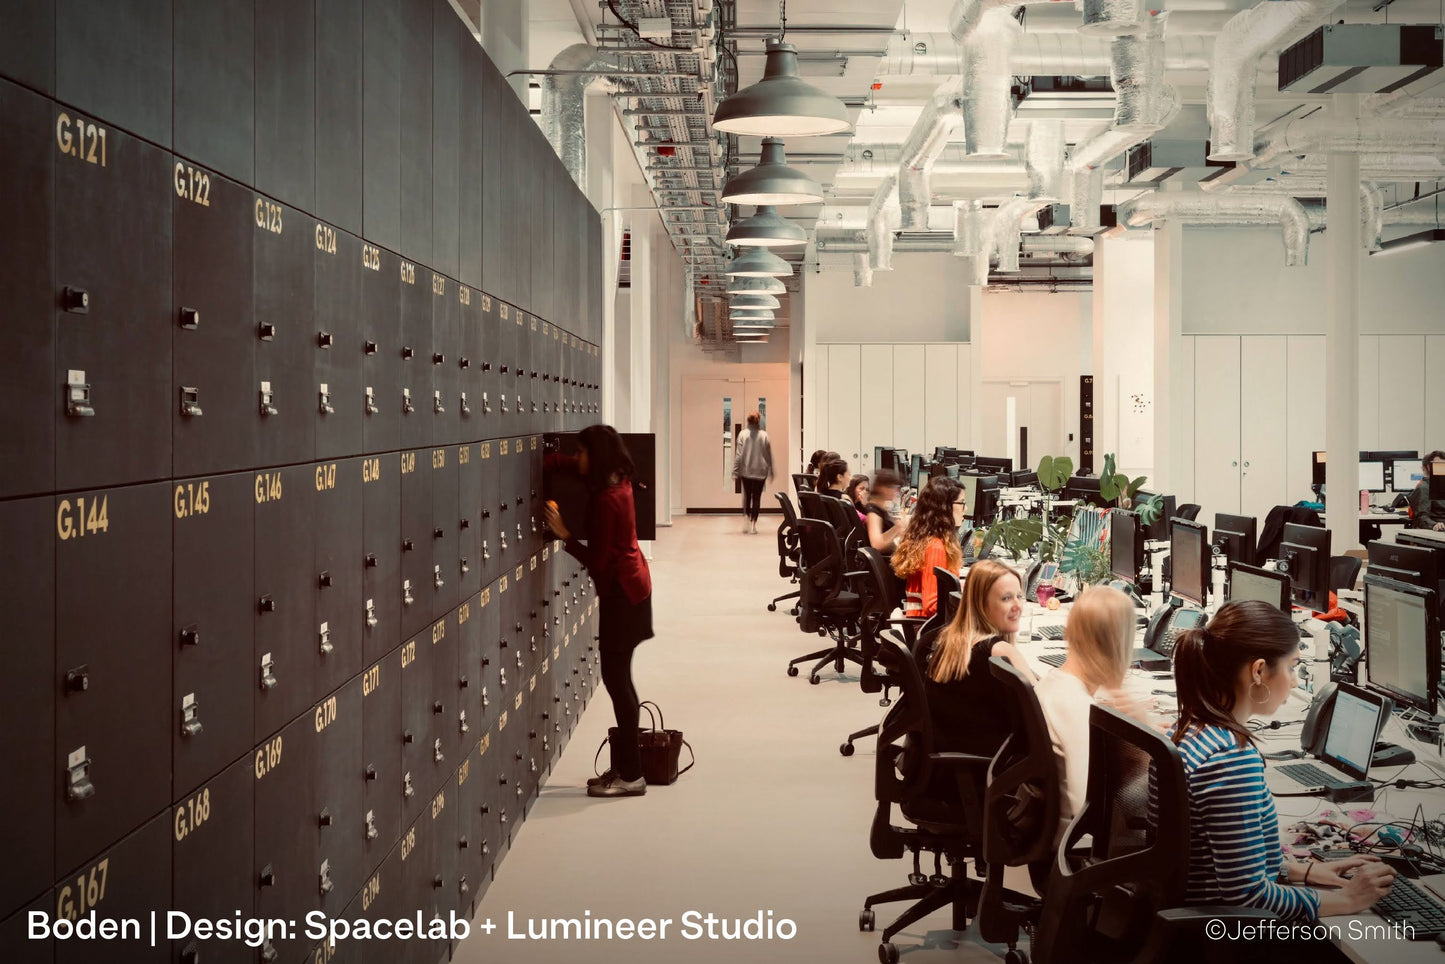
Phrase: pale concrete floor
pixel 773 818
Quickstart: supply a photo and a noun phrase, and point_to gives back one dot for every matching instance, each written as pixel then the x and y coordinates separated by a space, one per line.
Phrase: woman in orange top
pixel 931 539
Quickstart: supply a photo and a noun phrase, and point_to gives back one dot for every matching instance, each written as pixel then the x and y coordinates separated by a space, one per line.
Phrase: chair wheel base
pixel 846 749
pixel 792 671
pixel 1015 956
pixel 887 953
pixel 815 679
pixel 866 920
pixel 772 607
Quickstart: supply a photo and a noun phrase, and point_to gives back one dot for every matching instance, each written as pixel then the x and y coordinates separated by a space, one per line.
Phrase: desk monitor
pixel 1357 718
pixel 1317 468
pixel 1407 474
pixel 1432 543
pixel 951 470
pixel 1235 537
pixel 1085 488
pixel 1437 486
pixel 916 472
pixel 880 458
pixel 1252 582
pixel 1021 480
pixel 1189 560
pixel 1158 530
pixel 1415 565
pixel 1305 555
pixel 1402 642
pixel 993 466
pixel 1126 548
pixel 1372 476
pixel 970 493
pixel 985 505
pixel 1388 455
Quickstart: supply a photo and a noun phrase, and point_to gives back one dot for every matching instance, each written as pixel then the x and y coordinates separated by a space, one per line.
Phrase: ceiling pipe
pixel 1268 26
pixel 882 216
pixel 1200 208
pixel 1320 133
pixel 968 225
pixel 846 241
pixel 936 124
pixel 987 41
pixel 862 273
pixel 573 72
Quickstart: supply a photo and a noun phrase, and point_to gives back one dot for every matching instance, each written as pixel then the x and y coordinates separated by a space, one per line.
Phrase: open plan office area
pixel 786 480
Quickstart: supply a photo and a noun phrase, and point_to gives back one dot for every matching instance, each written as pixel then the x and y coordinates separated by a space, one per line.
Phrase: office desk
pixel 1379 518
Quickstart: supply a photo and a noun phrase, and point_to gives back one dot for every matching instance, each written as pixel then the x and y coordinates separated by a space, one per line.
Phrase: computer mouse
pixel 1440 939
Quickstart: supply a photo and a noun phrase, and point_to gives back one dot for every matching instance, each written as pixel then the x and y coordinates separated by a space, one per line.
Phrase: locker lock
pixel 466 409
pixel 437 882
pixel 436 750
pixel 406 406
pixel 502 819
pixel 190 400
pixel 504 369
pixel 407 790
pixel 408 737
pixel 406 597
pixel 324 579
pixel 191 636
pixel 324 820
pixel 370 775
pixel 325 406
pixel 369 347
pixel 438 358
pixel 78 680
pixel 438 532
pixel 407 351
pixel 371 408
pixel 75 300
pixel 323 339
pixel 77 779
pixel 462 880
pixel 502 677
pixel 371 619
pixel 77 395
pixel 268 398
pixel 436 403
pixel 324 882
pixel 371 832
pixel 266 604
pixel 462 726
pixel 371 560
pixel 323 639
pixel 268 672
pixel 267 877
pixel 437 580
pixel 464 362
pixel 502 537
pixel 486 700
pixel 437 708
pixel 268 952
pixel 407 545
pixel 464 565
pixel 190 716
pixel 464 524
pixel 486 404
pixel 486 551
pixel 266 331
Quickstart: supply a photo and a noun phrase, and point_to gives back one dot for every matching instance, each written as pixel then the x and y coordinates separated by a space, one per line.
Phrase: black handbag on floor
pixel 661 749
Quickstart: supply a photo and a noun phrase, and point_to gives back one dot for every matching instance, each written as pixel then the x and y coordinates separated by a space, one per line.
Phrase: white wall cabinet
pixel 876 417
pixel 1263 426
pixel 909 397
pixel 844 402
pixel 1216 419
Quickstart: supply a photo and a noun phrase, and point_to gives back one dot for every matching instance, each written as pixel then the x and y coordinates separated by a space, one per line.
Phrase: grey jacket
pixel 754 459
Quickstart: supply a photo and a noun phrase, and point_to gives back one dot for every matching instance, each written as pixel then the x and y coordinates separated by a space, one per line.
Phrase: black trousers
pixel 752 498
pixel 622 625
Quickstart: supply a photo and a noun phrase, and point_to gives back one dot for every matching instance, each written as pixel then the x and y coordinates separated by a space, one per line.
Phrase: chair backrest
pixel 1344 570
pixel 950 593
pixel 905 737
pixel 788 550
pixel 803 483
pixel 790 514
pixel 1188 511
pixel 1137 812
pixel 811 505
pixel 821 577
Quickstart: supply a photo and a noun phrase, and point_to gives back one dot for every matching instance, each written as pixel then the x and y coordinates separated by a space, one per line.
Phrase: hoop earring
pixel 1253 699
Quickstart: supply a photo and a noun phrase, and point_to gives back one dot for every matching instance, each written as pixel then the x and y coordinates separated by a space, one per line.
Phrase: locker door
pixel 216 51
pixel 339 149
pixel 27 341
pixel 381 771
pixel 444 856
pixel 417 737
pixel 285 607
pixel 508 813
pixel 523 371
pixel 416 130
pixel 469 530
pixel 488 349
pixel 27 695
pixel 381 348
pixel 418 848
pixel 284 768
pixel 286 87
pixel 506 352
pixel 1262 445
pixel 1216 460
pixel 418 405
pixel 486 662
pixel 113 291
pixel 487 811
pixel 495 264
pixel 536 364
pixel 112 646
pixel 489 462
pixel 339 812
pixel 468 337
pixel 472 161
pixel 467 794
pixel 27 46
pixel 517 629
pixel 213 598
pixel 504 653
pixel 416 590
pixel 381 554
pixel 338 541
pixel 446 737
pixel 445 521
pixel 381 122
pixel 466 706
pixel 285 306
pixel 14 934
pixel 340 360
pixel 129 880
pixel 506 530
pixel 445 360
pixel 446 63
pixel 215 838
pixel 213 340
pixel 105 40
pixel 382 899
pixel 534 494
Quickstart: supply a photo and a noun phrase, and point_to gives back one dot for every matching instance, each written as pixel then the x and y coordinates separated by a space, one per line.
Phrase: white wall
pixel 924 298
pixel 1123 352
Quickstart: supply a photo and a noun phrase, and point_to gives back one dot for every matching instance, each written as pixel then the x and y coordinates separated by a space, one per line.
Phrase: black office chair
pixel 1123 898
pixel 950 593
pixel 803 483
pixel 1344 570
pixel 849 527
pixel 949 829
pixel 882 593
pixel 824 605
pixel 1189 511
pixel 810 505
pixel 788 550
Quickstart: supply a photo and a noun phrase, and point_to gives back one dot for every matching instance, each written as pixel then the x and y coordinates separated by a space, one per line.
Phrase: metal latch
pixel 190 400
pixel 191 635
pixel 505 410
pixel 371 408
pixel 466 567
pixel 406 406
pixel 462 723
pixel 267 397
pixel 436 403
pixel 190 715
pixel 371 832
pixel 466 409
pixel 371 619
pixel 268 672
pixel 77 395
pixel 325 883
pixel 486 551
pixel 407 790
pixel 437 754
pixel 406 597
pixel 75 300
pixel 486 700
pixel 486 404
pixel 77 680
pixel 77 781
pixel 437 576
pixel 326 407
pixel 324 639
pixel 323 339
pixel 266 331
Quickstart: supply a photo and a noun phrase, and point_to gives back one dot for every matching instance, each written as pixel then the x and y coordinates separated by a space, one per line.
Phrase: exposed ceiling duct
pixel 564 103
pixel 1250 35
pixel 1321 133
pixel 882 217
pixel 862 274
pixel 1361 58
pixel 1198 208
pixel 1111 16
pixel 940 117
pixel 1059 246
pixel 968 225
pixel 987 81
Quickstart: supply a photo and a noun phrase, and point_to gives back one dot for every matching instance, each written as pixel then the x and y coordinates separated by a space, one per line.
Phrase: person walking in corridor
pixel 753 466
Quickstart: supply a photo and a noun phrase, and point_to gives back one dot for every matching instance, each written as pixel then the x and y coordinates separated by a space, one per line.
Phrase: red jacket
pixel 611 554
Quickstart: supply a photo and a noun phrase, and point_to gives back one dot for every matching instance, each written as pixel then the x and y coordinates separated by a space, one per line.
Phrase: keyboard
pixel 1409 903
pixel 1311 775
pixel 1053 659
pixel 1051 631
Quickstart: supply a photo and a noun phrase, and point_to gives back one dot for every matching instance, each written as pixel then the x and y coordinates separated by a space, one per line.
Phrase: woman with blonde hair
pixel 930 540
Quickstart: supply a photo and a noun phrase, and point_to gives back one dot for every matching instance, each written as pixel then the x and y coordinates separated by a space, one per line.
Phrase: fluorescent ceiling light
pixel 781 104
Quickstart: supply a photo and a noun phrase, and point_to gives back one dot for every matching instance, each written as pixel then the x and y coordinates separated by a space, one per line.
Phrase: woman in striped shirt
pixel 1239 667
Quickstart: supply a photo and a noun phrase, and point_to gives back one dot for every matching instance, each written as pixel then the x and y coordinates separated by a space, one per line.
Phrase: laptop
pixel 1348 746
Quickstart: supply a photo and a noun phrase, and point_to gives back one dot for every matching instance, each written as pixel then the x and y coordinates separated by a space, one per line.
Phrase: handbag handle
pixel 658 723
pixel 598 756
pixel 691 759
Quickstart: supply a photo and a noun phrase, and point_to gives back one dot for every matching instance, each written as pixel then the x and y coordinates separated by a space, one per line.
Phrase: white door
pixel 845 389
pixel 1263 433
pixel 714 412
pixel 876 403
pixel 940 379
pixel 1216 413
pixel 1038 419
pixel 909 398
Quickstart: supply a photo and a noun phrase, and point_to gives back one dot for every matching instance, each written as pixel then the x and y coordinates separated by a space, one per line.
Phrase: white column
pixel 1169 380
pixel 1342 339
pixel 975 357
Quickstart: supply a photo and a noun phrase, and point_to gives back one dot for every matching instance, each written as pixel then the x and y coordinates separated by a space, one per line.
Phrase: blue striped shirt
pixel 1234 847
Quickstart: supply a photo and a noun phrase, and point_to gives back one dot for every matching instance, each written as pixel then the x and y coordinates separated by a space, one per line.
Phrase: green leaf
pixel 1136 485
pixel 1109 466
pixel 1150 509
pixel 1054 471
pixel 1109 486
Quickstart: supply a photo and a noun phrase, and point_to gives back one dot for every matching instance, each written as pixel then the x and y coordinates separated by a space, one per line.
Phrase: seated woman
pixel 817 459
pixel 968 707
pixel 1240 666
pixel 931 539
pixel 883 530
pixel 857 493
pixel 833 477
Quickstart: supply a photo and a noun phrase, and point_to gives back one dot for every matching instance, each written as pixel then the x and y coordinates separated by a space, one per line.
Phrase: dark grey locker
pixel 467 797
pixel 444 895
pixel 339 811
pixel 418 847
pixel 381 897
pixel 381 123
pixel 216 52
pixel 420 726
pixel 544 271
pixel 14 934
pixel 113 60
pixel 285 307
pixel 521 196
pixel 416 130
pixel 286 84
pixel 381 603
pixel 471 421
pixel 505 649
pixel 27 340
pixel 496 211
pixel 466 712
pixel 472 159
pixel 509 398
pixel 213 338
pixel 489 793
pixel 340 355
pixel 486 662
pixel 381 349
pixel 469 523
pixel 283 870
pixel 112 643
pixel 27 695
pixel 529 353
pixel 27 46
pixel 214 829
pixel 447 694
pixel 213 598
pixel 445 524
pixel 338 540
pixel 113 298
pixel 285 607
pixel 489 461
pixel 339 149
pixel 381 772
pixel 418 403
pixel 445 360
pixel 446 60
pixel 538 527
pixel 129 880
pixel 416 590
pixel 491 366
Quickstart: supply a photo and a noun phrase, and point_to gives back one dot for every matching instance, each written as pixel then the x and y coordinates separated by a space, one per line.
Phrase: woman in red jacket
pixel 624 592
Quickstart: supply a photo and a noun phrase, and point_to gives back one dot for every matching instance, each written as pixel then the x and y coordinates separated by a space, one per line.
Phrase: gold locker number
pixel 268 757
pixel 408 273
pixel 370 892
pixel 485 744
pixel 464 294
pixel 438 284
pixel 325 239
pixel 408 844
pixel 506 446
pixel 191 814
pixel 325 713
pixel 438 804
pixel 370 470
pixel 268 487
pixel 371 680
pixel 439 632
pixel 80 138
pixel 88 891
pixel 371 257
pixel 408 653
pixel 464 612
pixel 439 458
pixel 268 216
pixel 464 455
pixel 325 477
pixel 464 771
pixel 84 517
pixel 193 498
pixel 193 185
pixel 408 463
pixel 487 596
pixel 486 449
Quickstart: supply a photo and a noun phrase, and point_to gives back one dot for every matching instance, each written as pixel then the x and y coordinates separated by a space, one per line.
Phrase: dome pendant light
pixel 758 286
pixel 772 182
pixel 768 229
pixel 782 104
pixel 758 263
pixel 752 314
pixel 755 301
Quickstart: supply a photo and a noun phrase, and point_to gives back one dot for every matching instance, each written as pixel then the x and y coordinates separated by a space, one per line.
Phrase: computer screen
pixel 1350 741
pixel 1188 545
pixel 1124 545
pixel 1407 474
pixel 1305 552
pixel 1317 468
pixel 1402 656
pixel 1251 582
pixel 970 493
pixel 1372 476
pixel 916 472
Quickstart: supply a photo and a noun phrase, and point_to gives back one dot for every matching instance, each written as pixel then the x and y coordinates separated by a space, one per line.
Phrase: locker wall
pixel 286 326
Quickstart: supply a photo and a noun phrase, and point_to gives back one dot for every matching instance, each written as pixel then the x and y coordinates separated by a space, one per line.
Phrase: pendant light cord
pixel 782 19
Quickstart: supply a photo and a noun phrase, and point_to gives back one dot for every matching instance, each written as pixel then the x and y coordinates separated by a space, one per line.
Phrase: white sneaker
pixel 755 527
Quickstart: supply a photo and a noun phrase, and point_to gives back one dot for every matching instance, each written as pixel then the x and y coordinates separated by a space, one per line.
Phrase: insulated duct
pixel 862 273
pixel 564 104
pixel 1086 196
pixel 987 80
pixel 882 215
pixel 942 113
pixel 1111 16
pixel 1044 159
pixel 1319 134
pixel 1199 208
pixel 833 241
pixel 1372 207
pixel 1266 27
pixel 968 224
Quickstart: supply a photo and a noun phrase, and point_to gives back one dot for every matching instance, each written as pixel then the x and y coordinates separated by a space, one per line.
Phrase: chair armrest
pixel 961 761
pixel 855 574
pixel 1200 914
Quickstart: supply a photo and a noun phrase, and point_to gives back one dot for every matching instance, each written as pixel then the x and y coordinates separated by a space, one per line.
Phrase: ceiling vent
pixel 1361 58
pixel 1181 161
